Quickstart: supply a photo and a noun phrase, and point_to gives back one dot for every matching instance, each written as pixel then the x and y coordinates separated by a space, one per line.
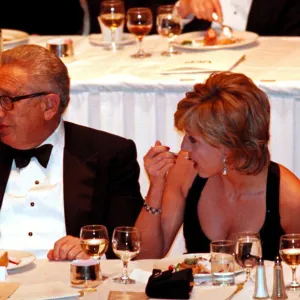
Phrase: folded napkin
pixel 7 289
pixel 206 62
pixel 43 291
pixel 170 285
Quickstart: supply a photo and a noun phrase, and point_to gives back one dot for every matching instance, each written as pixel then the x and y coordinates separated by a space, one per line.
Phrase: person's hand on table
pixel 67 248
pixel 202 9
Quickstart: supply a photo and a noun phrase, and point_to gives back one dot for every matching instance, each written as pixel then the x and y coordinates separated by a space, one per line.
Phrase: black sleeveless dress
pixel 197 242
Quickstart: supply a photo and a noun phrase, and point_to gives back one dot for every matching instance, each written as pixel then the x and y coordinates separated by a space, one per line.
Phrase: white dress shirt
pixel 235 14
pixel 32 213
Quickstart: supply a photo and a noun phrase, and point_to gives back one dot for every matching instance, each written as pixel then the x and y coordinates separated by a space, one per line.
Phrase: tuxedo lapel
pixel 5 166
pixel 79 174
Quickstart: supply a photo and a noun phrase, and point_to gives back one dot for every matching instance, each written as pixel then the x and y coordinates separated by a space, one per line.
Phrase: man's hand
pixel 202 9
pixel 67 248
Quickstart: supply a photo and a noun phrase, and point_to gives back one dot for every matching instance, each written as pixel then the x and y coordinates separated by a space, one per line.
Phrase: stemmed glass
pixel 247 251
pixel 168 24
pixel 112 15
pixel 289 250
pixel 94 241
pixel 139 23
pixel 126 245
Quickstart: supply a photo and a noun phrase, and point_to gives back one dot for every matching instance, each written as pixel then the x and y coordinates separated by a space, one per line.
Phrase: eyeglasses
pixel 7 102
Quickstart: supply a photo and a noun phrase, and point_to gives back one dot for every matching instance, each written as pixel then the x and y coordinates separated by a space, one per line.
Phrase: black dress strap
pixel 271 231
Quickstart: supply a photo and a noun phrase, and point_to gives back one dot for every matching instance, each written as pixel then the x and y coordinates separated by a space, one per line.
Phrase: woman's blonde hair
pixel 230 110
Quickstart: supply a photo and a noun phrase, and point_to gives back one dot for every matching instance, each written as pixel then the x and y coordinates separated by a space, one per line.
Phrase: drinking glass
pixel 289 250
pixel 112 15
pixel 222 262
pixel 139 23
pixel 247 251
pixel 168 24
pixel 94 241
pixel 126 245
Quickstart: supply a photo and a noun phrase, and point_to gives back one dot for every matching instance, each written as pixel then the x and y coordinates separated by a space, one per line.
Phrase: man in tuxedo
pixel 265 17
pixel 56 176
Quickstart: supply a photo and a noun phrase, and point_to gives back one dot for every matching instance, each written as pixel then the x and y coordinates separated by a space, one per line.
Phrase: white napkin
pixel 140 275
pixel 3 273
pixel 49 290
pixel 207 62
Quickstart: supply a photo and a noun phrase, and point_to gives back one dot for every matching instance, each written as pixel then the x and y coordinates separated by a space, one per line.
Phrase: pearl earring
pixel 224 172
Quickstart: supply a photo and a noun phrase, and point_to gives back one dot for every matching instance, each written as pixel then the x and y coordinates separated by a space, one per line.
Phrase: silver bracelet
pixel 151 210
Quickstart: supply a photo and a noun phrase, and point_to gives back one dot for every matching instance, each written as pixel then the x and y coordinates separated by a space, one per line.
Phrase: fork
pixel 239 287
pixel 227 30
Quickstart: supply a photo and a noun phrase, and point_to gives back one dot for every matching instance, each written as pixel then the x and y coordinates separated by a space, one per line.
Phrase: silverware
pixel 227 30
pixel 239 287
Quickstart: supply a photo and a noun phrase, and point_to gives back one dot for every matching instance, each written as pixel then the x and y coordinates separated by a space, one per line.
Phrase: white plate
pixel 11 37
pixel 246 36
pixel 26 259
pixel 164 263
pixel 97 39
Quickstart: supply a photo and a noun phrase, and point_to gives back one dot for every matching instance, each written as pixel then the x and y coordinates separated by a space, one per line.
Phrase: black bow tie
pixel 42 154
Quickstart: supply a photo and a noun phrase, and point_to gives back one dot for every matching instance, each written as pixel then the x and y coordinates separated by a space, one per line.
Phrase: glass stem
pixel 170 47
pixel 140 45
pixel 113 40
pixel 125 270
pixel 294 278
pixel 248 272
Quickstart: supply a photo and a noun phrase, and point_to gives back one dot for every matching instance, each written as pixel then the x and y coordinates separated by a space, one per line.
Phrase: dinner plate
pixel 196 39
pixel 12 37
pixel 25 257
pixel 164 263
pixel 97 39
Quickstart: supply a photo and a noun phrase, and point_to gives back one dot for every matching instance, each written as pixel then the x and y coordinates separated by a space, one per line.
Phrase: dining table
pixel 43 271
pixel 135 99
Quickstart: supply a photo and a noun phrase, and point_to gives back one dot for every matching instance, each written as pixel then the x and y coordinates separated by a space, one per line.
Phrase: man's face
pixel 22 127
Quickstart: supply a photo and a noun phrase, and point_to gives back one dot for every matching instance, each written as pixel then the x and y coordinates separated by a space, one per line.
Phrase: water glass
pixel 222 262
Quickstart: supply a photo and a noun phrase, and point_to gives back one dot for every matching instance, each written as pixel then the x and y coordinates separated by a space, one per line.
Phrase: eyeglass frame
pixel 18 98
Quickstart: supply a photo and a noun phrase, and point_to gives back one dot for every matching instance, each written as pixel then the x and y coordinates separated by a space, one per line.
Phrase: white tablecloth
pixel 128 97
pixel 42 271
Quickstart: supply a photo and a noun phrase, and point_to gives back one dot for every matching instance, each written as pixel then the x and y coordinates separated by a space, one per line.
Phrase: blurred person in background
pixel 222 182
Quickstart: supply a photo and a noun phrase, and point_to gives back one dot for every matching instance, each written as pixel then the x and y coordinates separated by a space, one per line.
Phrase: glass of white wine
pixel 94 241
pixel 289 250
pixel 126 245
pixel 168 24
pixel 112 15
pixel 139 23
pixel 247 251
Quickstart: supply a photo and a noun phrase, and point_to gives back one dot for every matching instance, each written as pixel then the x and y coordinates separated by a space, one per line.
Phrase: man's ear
pixel 50 105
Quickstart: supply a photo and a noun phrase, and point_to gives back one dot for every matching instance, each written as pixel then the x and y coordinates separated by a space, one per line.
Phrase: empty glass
pixel 126 245
pixel 168 24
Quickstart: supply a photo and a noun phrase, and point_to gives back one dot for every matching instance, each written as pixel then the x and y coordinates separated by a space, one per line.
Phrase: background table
pixel 129 97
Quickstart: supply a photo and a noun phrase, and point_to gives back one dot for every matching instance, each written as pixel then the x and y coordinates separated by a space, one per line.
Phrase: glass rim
pixel 138 9
pixel 290 235
pixel 222 242
pixel 126 229
pixel 93 227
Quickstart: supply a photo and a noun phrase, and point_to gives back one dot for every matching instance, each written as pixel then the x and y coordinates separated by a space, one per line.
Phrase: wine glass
pixel 168 24
pixel 94 241
pixel 139 23
pixel 289 250
pixel 247 251
pixel 112 15
pixel 126 245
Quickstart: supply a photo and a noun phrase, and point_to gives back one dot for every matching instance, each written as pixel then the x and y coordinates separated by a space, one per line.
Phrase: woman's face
pixel 208 160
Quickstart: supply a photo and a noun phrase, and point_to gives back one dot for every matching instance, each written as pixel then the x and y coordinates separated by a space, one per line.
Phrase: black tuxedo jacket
pixel 100 179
